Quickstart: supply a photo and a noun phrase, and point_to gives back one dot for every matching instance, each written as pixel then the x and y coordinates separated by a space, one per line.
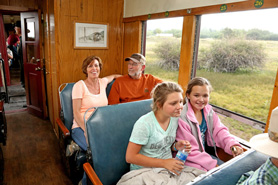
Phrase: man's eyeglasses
pixel 132 64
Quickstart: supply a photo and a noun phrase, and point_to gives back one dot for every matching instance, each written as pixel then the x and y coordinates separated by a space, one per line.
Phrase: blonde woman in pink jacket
pixel 201 126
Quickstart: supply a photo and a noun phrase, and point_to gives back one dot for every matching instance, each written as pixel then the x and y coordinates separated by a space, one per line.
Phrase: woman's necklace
pixel 93 87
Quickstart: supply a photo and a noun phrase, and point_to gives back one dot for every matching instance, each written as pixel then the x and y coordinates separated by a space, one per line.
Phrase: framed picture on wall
pixel 90 35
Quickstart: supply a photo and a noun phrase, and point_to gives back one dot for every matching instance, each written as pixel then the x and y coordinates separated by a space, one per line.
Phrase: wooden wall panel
pixel 114 60
pixel 32 4
pixel 187 46
pixel 53 84
pixel 231 7
pixel 144 7
pixel 69 60
pixel 65 61
pixel 274 102
pixel 47 8
pixel 132 40
pixel 42 56
pixel 4 2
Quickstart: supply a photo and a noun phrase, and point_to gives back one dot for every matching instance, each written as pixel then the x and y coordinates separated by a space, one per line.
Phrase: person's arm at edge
pixel 10 56
pixel 112 77
pixel 224 139
pixel 180 145
pixel 133 156
pixel 114 96
pixel 76 106
pixel 202 159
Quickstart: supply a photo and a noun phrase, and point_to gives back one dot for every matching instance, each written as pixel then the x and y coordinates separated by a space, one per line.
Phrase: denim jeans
pixel 219 161
pixel 84 179
pixel 78 136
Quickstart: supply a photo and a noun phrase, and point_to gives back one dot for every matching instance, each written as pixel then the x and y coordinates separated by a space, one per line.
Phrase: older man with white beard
pixel 135 86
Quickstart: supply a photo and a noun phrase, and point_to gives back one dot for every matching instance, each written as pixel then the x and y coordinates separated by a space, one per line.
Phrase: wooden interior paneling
pixel 42 56
pixel 274 101
pixel 63 62
pixel 4 8
pixel 47 8
pixel 142 7
pixel 132 40
pixel 52 77
pixel 18 4
pixel 232 7
pixel 67 62
pixel 187 46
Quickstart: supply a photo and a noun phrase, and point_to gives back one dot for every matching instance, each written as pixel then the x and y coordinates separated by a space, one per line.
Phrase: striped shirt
pixel 267 174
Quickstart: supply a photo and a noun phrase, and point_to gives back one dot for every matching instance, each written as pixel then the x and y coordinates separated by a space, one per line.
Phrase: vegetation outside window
pixel 239 57
pixel 163 45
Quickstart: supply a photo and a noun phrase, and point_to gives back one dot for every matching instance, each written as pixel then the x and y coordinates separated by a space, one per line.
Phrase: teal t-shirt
pixel 156 142
pixel 203 129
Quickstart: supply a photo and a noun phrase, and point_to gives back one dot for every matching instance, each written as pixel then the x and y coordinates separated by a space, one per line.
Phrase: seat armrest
pixel 226 157
pixel 91 174
pixel 65 131
pixel 223 155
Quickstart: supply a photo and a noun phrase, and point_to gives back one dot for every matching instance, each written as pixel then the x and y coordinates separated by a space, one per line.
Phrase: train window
pixel 238 55
pixel 163 43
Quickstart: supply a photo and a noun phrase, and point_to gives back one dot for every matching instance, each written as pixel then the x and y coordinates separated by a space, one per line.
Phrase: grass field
pixel 247 93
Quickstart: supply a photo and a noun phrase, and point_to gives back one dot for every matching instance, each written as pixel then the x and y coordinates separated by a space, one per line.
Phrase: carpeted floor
pixel 16 93
pixel 17 98
pixel 31 155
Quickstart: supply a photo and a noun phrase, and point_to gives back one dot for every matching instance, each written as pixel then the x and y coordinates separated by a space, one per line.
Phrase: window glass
pixel 30 31
pixel 31 51
pixel 238 54
pixel 163 43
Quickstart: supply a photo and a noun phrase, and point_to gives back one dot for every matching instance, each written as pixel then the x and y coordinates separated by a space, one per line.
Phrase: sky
pixel 264 19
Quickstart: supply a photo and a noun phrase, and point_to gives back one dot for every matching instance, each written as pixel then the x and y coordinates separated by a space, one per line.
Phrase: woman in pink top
pixel 85 94
pixel 201 126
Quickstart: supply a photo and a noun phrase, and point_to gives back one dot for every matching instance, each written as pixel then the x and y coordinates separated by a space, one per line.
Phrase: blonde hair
pixel 161 91
pixel 200 81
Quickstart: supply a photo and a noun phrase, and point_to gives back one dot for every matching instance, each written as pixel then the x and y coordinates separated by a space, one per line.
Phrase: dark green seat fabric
pixel 108 131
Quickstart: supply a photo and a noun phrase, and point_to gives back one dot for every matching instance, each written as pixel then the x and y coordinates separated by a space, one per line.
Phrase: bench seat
pixel 64 123
pixel 109 129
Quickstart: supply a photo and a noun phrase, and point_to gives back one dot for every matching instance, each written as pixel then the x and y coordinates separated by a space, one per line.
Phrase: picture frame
pixel 90 35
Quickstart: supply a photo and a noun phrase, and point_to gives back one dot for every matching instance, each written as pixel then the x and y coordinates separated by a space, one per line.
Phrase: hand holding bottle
pixel 182 144
pixel 174 166
pixel 183 148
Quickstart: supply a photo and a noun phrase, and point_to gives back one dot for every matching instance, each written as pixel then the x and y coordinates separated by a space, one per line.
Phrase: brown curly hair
pixel 87 62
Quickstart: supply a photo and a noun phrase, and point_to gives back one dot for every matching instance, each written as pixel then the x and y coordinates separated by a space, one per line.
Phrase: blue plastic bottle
pixel 181 155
